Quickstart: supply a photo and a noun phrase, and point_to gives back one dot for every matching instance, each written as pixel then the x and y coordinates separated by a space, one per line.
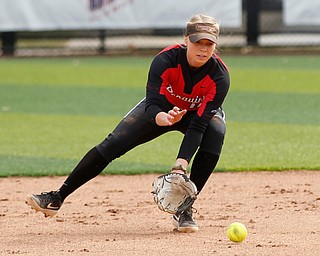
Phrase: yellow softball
pixel 237 232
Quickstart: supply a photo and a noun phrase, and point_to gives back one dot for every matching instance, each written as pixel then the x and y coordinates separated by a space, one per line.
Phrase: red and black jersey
pixel 172 82
pixel 203 89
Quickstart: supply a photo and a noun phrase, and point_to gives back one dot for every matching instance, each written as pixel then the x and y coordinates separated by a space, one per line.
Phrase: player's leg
pixel 133 130
pixel 203 164
pixel 209 151
pixel 127 134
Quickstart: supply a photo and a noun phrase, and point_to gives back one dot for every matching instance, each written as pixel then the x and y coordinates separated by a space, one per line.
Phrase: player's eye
pixel 206 43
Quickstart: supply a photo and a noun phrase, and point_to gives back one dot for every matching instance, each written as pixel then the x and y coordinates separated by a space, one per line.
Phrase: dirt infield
pixel 116 215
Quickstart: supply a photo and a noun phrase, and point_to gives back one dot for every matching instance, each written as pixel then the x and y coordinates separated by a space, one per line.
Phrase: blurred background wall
pixel 105 27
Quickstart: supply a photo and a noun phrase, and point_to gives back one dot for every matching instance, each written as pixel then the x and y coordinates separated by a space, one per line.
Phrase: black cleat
pixel 48 203
pixel 184 222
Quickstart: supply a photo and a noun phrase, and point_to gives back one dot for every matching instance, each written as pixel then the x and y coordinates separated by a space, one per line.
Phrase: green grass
pixel 53 110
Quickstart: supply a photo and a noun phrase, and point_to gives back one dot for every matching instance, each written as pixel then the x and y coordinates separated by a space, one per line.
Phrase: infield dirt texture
pixel 116 215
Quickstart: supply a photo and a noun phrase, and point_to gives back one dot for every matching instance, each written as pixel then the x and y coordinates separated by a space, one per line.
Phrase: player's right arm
pixel 158 109
pixel 173 116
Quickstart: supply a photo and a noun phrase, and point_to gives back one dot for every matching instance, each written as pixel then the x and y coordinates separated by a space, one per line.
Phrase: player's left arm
pixel 199 123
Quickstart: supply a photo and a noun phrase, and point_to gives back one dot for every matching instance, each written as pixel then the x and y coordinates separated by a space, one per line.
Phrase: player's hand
pixel 173 116
pixel 176 114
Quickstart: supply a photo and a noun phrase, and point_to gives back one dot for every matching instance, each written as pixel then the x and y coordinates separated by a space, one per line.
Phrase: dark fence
pixel 262 28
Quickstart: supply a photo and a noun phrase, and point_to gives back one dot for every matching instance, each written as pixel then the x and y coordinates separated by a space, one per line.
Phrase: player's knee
pixel 213 139
pixel 217 127
pixel 109 148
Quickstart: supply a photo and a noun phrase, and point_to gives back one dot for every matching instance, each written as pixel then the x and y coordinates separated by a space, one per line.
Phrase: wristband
pixel 180 168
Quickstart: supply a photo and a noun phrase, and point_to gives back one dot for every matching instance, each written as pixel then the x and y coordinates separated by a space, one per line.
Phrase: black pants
pixel 133 130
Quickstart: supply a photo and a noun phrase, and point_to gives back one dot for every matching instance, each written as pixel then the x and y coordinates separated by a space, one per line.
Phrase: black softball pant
pixel 136 129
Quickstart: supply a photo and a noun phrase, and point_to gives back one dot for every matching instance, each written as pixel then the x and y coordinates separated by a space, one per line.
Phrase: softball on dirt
pixel 237 232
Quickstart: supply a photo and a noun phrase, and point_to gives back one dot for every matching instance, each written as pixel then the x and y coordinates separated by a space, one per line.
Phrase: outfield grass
pixel 53 110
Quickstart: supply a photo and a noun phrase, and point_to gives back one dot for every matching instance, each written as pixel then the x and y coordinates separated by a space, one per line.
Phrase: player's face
pixel 200 52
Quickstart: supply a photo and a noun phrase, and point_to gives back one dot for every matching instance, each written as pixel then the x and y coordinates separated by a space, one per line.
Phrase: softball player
pixel 186 87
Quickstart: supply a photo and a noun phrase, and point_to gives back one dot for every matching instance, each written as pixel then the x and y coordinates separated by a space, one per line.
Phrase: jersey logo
pixel 195 102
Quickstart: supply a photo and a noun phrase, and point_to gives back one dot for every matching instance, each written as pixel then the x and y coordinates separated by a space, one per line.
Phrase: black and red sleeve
pixel 156 102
